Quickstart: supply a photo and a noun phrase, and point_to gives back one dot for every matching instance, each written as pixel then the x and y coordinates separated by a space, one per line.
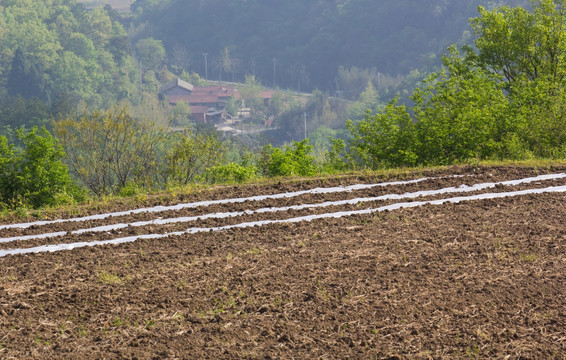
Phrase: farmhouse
pixel 207 103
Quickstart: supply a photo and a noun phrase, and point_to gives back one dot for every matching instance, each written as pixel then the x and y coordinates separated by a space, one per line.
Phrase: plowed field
pixel 457 263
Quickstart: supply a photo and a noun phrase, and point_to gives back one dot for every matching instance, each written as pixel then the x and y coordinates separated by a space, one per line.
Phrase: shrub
pixel 191 156
pixel 230 173
pixel 296 159
pixel 33 174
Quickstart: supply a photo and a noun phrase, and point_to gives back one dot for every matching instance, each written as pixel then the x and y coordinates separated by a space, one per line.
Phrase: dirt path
pixel 475 279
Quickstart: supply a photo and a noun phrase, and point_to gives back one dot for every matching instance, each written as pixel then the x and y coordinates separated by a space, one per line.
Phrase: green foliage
pixel 16 112
pixel 385 139
pixel 505 101
pixel 54 47
pixel 539 115
pixel 191 155
pixel 230 173
pixel 192 78
pixel 336 159
pixel 182 110
pixel 150 52
pixel 351 82
pixel 251 94
pixel 518 43
pixel 108 150
pixel 368 101
pixel 295 159
pixel 34 174
pixel 460 114
pixel 24 78
pixel 303 36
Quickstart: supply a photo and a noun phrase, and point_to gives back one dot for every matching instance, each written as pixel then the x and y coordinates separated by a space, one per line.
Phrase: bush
pixel 33 174
pixel 191 156
pixel 230 173
pixel 108 150
pixel 385 139
pixel 295 159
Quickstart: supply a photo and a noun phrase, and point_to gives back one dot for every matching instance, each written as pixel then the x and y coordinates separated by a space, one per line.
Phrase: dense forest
pixel 308 44
pixel 56 46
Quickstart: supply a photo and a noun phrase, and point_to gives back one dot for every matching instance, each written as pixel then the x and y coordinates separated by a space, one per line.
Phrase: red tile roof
pixel 222 91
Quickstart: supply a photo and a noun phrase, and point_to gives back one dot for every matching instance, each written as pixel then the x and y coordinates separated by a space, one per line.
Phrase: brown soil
pixel 481 279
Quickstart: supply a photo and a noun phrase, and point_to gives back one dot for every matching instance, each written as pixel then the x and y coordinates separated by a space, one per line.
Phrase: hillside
pixel 59 52
pixel 303 43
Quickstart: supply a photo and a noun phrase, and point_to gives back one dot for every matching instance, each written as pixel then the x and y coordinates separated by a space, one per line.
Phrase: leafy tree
pixel 16 112
pixel 251 96
pixel 24 78
pixel 98 25
pixel 150 52
pixel 527 50
pixel 518 43
pixel 368 100
pixel 63 49
pixel 34 174
pixel 182 110
pixel 82 46
pixel 385 139
pixel 191 155
pixel 294 159
pixel 503 100
pixel 119 47
pixel 108 150
pixel 73 71
pixel 461 114
pixel 351 82
pixel 538 115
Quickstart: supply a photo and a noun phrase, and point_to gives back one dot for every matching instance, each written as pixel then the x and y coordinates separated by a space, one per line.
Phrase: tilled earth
pixel 476 279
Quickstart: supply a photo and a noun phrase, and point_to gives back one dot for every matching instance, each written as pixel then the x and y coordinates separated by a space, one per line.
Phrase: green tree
pixel 384 139
pixel 294 159
pixel 108 150
pixel 34 174
pixel 460 114
pixel 191 155
pixel 82 46
pixel 24 78
pixel 182 110
pixel 16 112
pixel 65 49
pixel 503 100
pixel 368 100
pixel 521 44
pixel 251 95
pixel 527 49
pixel 150 52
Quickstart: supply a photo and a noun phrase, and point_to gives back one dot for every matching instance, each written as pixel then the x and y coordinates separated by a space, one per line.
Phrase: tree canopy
pixel 302 44
pixel 55 46
pixel 503 99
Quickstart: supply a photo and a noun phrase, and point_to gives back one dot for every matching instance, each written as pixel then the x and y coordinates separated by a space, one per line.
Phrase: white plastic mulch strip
pixel 156 209
pixel 59 247
pixel 460 189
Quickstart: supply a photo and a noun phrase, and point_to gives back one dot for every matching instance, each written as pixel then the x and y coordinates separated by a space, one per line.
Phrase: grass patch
pixel 109 278
pixel 150 324
pixel 254 251
pixel 528 258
